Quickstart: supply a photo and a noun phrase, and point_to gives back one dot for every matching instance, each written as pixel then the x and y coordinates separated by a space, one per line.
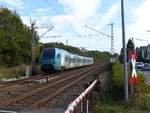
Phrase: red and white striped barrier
pixel 80 98
pixel 134 74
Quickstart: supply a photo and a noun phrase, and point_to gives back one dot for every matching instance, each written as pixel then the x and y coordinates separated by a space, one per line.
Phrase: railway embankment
pixel 111 99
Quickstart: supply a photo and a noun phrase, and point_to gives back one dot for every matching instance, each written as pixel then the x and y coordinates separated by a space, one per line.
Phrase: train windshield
pixel 49 53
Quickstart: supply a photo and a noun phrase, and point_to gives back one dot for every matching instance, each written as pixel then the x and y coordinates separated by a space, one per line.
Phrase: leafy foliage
pixel 15 39
pixel 118 73
pixel 15 42
pixel 130 47
pixel 141 55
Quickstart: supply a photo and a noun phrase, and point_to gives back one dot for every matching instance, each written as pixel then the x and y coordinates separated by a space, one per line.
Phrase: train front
pixel 47 60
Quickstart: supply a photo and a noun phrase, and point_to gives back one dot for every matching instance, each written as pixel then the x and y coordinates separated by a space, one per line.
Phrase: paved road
pixel 147 76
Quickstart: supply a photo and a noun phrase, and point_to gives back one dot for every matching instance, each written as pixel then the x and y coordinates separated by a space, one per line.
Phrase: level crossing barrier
pixel 80 98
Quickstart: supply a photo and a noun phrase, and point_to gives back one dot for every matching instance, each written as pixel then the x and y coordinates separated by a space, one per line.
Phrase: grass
pixel 113 108
pixel 108 103
pixel 9 73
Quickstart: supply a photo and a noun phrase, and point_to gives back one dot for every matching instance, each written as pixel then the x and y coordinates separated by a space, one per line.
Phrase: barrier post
pixel 81 106
pixel 87 106
pixel 96 76
pixel 27 71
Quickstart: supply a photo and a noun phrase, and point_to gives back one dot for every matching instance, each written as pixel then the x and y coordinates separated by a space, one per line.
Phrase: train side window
pixel 65 58
pixel 58 56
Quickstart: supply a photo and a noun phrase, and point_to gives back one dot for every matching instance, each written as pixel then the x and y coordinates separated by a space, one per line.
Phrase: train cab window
pixel 48 53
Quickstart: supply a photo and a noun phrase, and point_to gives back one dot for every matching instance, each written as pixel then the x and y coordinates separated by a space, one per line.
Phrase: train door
pixel 62 60
pixel 58 60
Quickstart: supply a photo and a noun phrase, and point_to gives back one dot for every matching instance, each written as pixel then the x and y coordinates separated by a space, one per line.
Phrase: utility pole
pixel 66 42
pixel 34 33
pixel 124 55
pixel 110 36
pixel 33 65
pixel 112 42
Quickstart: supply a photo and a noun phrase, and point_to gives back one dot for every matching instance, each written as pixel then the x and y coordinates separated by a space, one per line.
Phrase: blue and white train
pixel 59 59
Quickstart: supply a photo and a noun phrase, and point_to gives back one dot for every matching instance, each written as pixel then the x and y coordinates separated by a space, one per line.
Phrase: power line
pixel 79 36
pixel 110 36
pixel 58 12
pixel 97 31
pixel 55 9
pixel 68 7
pixel 46 31
pixel 70 10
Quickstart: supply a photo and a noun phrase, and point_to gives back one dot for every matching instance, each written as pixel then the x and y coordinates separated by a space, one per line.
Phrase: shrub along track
pixel 30 99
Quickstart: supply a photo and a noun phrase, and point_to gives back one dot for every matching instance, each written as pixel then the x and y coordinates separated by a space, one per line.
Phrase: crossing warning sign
pixel 134 75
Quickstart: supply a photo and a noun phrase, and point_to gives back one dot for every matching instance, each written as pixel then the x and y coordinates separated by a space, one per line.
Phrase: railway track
pixel 13 85
pixel 57 92
pixel 10 84
pixel 41 95
pixel 17 90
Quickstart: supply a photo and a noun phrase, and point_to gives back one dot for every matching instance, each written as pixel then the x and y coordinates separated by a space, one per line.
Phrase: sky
pixel 68 18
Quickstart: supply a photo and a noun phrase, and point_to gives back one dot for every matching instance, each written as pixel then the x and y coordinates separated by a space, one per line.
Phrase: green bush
pixel 141 78
pixel 9 73
pixel 117 70
pixel 113 108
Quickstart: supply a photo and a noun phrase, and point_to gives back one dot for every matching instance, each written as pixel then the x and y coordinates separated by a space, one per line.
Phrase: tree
pixel 130 47
pixel 15 39
pixel 140 54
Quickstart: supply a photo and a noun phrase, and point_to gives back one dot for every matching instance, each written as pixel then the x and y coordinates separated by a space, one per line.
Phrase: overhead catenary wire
pixel 69 23
pixel 84 35
pixel 69 9
pixel 46 31
pixel 97 31
pixel 58 12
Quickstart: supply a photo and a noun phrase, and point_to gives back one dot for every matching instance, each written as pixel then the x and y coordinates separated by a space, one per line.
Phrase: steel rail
pixel 36 77
pixel 51 96
pixel 33 92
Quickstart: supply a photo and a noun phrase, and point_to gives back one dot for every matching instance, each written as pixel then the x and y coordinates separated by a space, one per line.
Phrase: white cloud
pixel 42 10
pixel 107 17
pixel 141 24
pixel 16 3
pixel 26 20
pixel 137 27
pixel 142 17
pixel 70 25
pixel 80 8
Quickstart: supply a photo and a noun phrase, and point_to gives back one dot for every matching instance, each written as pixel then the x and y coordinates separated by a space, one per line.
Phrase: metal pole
pixel 66 42
pixel 81 106
pixel 124 54
pixel 87 106
pixel 33 48
pixel 112 42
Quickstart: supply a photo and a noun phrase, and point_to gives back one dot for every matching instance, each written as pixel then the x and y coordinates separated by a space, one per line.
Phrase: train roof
pixel 62 50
